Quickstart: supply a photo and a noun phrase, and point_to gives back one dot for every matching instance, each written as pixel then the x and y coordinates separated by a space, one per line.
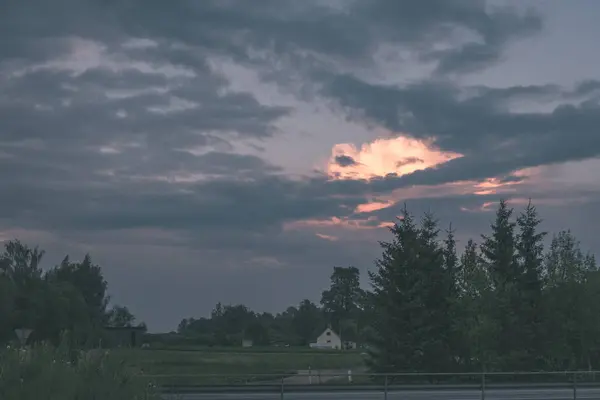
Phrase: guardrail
pixel 384 383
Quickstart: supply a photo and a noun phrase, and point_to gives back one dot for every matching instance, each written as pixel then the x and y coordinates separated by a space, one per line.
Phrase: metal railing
pixel 315 380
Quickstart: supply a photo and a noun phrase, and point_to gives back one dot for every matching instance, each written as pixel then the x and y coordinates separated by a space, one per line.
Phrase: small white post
pixel 349 376
pixel 309 376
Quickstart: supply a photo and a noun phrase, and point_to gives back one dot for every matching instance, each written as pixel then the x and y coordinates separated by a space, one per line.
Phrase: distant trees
pixel 69 298
pixel 230 324
pixel 120 316
pixel 342 307
pixel 343 301
pixel 307 321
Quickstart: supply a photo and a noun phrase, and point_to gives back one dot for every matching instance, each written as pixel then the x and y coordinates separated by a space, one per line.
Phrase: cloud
pixel 344 161
pixel 477 123
pixel 400 156
pixel 138 137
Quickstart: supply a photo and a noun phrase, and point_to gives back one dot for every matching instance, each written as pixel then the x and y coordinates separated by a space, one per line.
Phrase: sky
pixel 235 151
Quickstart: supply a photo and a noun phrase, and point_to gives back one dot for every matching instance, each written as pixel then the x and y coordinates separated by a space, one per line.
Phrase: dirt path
pixel 306 377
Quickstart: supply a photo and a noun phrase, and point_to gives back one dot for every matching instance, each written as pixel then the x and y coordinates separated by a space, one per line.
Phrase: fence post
pixel 385 388
pixel 349 376
pixel 574 385
pixel 282 383
pixel 309 376
pixel 483 386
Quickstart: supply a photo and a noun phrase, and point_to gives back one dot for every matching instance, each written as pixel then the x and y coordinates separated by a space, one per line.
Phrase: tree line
pixel 504 303
pixel 296 326
pixel 68 299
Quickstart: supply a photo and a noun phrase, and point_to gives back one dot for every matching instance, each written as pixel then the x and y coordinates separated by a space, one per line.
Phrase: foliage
pixel 504 304
pixel 343 300
pixel 70 297
pixel 120 316
pixel 512 306
pixel 60 374
pixel 411 287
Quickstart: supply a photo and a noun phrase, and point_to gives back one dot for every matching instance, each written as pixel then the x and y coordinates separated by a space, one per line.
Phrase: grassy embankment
pixel 45 372
pixel 229 365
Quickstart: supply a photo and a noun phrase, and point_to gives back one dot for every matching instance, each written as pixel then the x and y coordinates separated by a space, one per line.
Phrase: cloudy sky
pixel 235 151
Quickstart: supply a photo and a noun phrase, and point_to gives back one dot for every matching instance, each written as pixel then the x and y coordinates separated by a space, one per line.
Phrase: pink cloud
pixel 400 155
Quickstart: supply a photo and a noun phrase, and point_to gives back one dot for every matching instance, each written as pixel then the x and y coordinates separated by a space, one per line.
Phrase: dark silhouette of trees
pixel 70 298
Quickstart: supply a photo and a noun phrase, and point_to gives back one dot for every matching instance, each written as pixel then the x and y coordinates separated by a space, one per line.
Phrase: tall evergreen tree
pixel 451 263
pixel 478 327
pixel 438 287
pixel 395 285
pixel 410 299
pixel 500 259
pixel 498 250
pixel 451 266
pixel 530 250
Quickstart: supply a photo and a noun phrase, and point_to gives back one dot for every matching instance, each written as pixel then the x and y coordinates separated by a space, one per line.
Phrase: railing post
pixel 574 385
pixel 483 386
pixel 282 384
pixel 385 388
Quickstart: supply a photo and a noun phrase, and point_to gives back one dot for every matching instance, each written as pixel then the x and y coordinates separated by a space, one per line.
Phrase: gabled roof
pixel 329 329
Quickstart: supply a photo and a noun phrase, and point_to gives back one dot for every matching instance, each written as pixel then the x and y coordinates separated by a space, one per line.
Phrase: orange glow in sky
pixel 400 155
pixel 373 206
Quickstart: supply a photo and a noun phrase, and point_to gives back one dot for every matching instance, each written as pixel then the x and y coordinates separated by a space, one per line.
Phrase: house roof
pixel 329 329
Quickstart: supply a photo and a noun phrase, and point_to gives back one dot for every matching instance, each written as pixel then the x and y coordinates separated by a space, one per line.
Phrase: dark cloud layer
pixel 117 129
pixel 345 161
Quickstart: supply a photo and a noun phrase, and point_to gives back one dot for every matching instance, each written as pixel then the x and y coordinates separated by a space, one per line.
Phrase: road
pixel 459 394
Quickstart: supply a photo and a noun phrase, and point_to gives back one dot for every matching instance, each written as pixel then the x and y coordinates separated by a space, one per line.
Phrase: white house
pixel 328 340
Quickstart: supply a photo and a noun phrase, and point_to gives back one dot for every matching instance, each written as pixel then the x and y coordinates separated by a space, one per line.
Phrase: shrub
pixel 58 373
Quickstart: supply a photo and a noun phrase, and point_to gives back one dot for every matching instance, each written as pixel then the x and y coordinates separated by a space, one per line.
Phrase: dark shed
pixel 127 336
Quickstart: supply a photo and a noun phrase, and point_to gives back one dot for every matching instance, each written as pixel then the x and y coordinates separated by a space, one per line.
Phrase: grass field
pixel 206 366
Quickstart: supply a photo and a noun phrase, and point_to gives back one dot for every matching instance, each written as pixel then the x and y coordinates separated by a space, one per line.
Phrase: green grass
pixel 206 366
pixel 43 371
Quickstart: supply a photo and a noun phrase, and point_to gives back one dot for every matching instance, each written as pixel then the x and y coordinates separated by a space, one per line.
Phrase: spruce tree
pixel 410 302
pixel 451 260
pixel 498 250
pixel 451 266
pixel 438 291
pixel 479 329
pixel 395 291
pixel 500 259
pixel 530 250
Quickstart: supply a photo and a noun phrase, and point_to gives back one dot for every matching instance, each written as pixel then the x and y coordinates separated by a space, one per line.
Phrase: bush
pixel 62 374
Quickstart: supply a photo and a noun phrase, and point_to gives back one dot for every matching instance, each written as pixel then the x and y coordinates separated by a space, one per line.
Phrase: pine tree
pixel 500 259
pixel 471 276
pixel 451 266
pixel 438 291
pixel 478 327
pixel 530 250
pixel 451 260
pixel 498 250
pixel 411 305
pixel 395 287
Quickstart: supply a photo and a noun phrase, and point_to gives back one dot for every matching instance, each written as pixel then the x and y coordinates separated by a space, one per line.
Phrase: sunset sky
pixel 235 151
